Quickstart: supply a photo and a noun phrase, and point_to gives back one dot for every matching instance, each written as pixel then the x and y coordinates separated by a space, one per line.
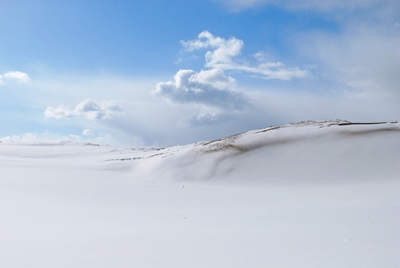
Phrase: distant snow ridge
pixel 329 150
pixel 229 142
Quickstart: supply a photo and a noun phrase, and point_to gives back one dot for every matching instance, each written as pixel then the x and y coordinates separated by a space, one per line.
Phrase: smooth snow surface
pixel 312 194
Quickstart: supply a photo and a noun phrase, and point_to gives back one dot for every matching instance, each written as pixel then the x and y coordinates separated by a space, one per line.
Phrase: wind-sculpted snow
pixel 311 194
pixel 318 151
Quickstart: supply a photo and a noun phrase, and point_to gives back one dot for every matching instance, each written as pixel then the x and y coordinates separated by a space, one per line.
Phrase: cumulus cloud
pixel 224 50
pixel 212 91
pixel 207 87
pixel 18 76
pixel 14 76
pixel 222 55
pixel 87 109
pixel 93 110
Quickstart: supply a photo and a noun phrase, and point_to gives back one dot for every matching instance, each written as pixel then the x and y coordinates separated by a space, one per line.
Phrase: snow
pixel 312 194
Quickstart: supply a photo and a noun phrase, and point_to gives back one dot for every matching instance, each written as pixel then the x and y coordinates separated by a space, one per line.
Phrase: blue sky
pixel 173 72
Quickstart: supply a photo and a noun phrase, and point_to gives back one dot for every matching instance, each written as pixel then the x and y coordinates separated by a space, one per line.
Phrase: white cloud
pixel 259 56
pixel 207 87
pixel 87 109
pixel 93 110
pixel 213 93
pixel 14 76
pixel 18 76
pixel 223 52
pixel 87 132
pixel 26 138
pixel 36 138
pixel 60 112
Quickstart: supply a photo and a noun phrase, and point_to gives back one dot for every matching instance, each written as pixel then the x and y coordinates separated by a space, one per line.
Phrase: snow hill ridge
pixel 309 151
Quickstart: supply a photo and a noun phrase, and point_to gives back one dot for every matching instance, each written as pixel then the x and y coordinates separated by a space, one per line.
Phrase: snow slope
pixel 313 151
pixel 312 194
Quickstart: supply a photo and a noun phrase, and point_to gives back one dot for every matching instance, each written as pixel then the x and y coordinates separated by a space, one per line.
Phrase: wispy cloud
pixel 47 137
pixel 87 109
pixel 87 132
pixel 365 58
pixel 222 55
pixel 319 5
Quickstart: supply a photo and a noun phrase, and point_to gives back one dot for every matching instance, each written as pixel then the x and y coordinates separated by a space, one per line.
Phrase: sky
pixel 163 73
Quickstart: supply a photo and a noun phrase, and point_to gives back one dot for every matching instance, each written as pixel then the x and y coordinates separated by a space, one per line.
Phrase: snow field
pixel 307 195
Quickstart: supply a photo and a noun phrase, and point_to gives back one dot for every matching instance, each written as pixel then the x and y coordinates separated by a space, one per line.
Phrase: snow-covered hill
pixel 312 151
pixel 311 194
